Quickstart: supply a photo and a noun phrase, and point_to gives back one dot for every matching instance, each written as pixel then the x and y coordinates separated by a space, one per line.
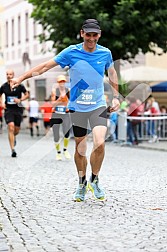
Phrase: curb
pixel 150 148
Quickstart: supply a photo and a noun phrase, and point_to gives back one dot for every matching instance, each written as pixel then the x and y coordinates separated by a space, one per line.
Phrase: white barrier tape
pixel 146 117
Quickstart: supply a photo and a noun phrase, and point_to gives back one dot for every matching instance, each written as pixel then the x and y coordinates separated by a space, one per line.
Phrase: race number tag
pixel 60 109
pixel 87 96
pixel 10 99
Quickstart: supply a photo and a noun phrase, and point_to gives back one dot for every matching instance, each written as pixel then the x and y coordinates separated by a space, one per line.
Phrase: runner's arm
pixel 113 81
pixel 35 71
pixel 25 96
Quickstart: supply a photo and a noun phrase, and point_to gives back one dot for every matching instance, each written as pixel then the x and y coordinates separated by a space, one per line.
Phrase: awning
pixel 144 73
pixel 160 87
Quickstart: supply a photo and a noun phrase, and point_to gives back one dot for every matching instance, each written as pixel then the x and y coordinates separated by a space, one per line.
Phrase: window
pixel 19 29
pixel 27 26
pixel 7 34
pixel 35 29
pixel 40 89
pixel 13 32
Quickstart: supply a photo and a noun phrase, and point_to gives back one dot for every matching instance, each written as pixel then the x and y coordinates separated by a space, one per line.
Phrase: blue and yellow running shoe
pixel 80 192
pixel 96 190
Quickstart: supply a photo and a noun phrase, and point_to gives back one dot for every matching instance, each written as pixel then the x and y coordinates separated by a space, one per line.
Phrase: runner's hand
pixel 14 83
pixel 115 105
pixel 17 100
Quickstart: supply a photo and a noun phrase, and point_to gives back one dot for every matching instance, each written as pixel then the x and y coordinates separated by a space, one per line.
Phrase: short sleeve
pixel 23 89
pixel 63 57
pixel 1 90
pixel 109 62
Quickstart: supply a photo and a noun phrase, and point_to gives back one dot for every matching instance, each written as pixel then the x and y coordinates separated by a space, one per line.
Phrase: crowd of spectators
pixel 137 129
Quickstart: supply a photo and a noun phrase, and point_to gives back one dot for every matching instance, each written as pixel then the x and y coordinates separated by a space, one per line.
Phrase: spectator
pixel 162 123
pixel 140 112
pixel 151 109
pixel 46 110
pixel 135 110
pixel 33 116
pixel 124 105
pixel 113 126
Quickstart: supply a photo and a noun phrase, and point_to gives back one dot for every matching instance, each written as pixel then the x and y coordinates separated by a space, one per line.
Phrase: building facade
pixel 20 48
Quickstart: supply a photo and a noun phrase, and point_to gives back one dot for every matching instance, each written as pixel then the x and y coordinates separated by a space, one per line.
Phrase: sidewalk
pixel 160 145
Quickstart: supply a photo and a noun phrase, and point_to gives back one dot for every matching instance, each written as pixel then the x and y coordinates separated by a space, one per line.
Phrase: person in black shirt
pixel 13 108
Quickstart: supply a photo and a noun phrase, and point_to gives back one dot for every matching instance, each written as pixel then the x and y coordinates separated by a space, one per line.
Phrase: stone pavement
pixel 37 213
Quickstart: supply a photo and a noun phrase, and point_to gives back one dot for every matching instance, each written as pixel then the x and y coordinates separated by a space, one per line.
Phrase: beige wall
pixel 159 61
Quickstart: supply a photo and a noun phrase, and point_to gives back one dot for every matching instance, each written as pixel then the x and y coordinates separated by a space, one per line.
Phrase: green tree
pixel 127 25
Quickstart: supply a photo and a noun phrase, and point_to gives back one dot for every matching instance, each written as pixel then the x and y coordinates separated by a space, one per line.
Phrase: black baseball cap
pixel 91 25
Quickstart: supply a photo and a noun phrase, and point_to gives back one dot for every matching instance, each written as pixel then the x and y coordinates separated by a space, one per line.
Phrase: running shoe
pixel 14 154
pixel 80 192
pixel 67 154
pixel 96 190
pixel 58 157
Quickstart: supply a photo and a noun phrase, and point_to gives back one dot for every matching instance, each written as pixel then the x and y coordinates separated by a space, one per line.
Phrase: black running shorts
pixel 15 116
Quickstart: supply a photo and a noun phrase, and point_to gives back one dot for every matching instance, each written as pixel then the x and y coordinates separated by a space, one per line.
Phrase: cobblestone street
pixel 37 213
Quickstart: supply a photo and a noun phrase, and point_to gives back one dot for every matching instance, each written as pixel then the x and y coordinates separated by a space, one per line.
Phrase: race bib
pixel 60 109
pixel 87 96
pixel 10 99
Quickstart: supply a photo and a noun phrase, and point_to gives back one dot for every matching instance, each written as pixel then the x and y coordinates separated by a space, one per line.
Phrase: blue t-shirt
pixel 86 75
